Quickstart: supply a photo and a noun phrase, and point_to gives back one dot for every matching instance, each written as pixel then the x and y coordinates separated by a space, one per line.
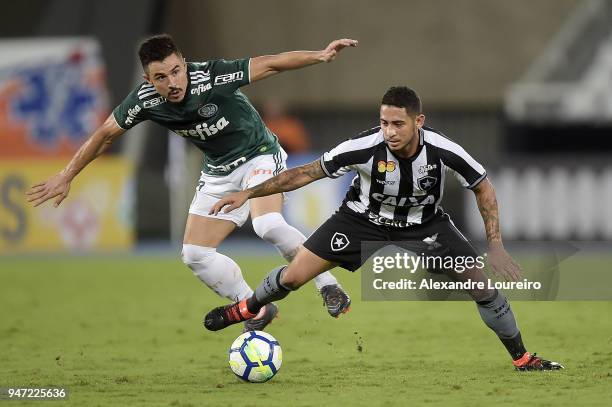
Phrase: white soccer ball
pixel 255 356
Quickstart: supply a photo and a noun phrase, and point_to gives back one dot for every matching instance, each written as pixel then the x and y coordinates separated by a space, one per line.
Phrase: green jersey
pixel 214 115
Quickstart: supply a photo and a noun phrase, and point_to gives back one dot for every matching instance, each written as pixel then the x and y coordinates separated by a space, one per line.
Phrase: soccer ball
pixel 255 356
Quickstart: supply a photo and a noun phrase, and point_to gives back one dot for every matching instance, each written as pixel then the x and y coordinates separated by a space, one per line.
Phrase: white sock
pixel 273 228
pixel 217 271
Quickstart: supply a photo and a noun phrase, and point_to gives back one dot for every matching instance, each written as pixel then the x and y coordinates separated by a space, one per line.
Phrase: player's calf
pixel 216 270
pixel 273 228
pixel 497 314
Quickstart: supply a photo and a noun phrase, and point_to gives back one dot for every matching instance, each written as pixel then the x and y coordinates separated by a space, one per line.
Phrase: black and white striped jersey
pixel 394 191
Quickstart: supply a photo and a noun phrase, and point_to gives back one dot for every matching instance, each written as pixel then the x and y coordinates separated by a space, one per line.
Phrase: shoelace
pixel 232 313
pixel 534 361
pixel 334 300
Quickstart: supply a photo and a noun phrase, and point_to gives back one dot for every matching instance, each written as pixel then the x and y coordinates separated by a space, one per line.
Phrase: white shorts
pixel 255 171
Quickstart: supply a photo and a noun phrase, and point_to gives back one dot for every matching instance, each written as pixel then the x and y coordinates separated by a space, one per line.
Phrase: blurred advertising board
pixel 96 215
pixel 553 202
pixel 53 95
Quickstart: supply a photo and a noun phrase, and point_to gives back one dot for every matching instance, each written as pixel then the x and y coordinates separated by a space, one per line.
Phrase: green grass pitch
pixel 126 331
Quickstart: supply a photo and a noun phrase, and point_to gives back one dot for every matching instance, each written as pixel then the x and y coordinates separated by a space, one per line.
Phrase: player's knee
pixel 482 295
pixel 273 228
pixel 195 256
pixel 264 224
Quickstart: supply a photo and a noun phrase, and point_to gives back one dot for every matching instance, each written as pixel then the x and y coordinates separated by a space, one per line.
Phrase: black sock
pixel 515 346
pixel 253 305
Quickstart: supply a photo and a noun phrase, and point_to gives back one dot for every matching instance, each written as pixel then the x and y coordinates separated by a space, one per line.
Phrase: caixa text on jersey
pixel 203 130
pixel 403 200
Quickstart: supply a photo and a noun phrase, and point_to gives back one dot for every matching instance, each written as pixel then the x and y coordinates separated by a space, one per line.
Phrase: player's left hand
pixel 232 201
pixel 57 186
pixel 331 51
pixel 501 264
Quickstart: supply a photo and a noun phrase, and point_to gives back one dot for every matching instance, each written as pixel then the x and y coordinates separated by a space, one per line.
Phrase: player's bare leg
pixel 269 224
pixel 497 314
pixel 206 231
pixel 276 286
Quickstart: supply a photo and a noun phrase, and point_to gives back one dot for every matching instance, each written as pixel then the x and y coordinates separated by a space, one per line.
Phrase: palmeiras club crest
pixel 427 182
pixel 339 241
pixel 208 110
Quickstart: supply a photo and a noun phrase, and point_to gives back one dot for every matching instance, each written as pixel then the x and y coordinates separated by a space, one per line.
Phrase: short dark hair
pixel 157 48
pixel 402 96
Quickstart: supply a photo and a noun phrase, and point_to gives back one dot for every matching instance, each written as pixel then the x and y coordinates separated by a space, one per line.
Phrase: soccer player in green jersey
pixel 202 102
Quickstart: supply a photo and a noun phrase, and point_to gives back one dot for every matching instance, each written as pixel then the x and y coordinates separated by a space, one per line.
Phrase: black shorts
pixel 338 240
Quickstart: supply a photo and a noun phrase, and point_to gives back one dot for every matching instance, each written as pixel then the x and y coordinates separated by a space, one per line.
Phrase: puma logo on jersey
pixel 402 200
pixel 203 130
pixel 425 168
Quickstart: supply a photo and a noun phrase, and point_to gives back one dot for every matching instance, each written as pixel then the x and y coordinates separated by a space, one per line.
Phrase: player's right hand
pixel 56 186
pixel 331 51
pixel 502 264
pixel 232 201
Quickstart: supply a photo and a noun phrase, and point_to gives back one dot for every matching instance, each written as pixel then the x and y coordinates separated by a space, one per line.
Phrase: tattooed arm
pixel 499 260
pixel 487 204
pixel 285 181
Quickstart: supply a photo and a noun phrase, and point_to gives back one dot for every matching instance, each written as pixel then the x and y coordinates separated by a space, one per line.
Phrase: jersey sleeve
pixel 230 75
pixel 130 112
pixel 468 171
pixel 344 157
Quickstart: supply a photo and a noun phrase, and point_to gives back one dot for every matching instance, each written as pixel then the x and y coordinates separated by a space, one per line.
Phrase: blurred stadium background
pixel 527 89
pixel 525 86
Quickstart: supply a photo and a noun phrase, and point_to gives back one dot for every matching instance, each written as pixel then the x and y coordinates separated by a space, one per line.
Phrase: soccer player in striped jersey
pixel 400 166
pixel 202 102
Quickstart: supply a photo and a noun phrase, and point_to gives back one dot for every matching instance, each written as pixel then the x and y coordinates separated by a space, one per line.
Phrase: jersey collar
pixel 418 151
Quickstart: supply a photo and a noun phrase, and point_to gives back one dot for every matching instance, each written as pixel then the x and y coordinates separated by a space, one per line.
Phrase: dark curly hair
pixel 157 48
pixel 402 96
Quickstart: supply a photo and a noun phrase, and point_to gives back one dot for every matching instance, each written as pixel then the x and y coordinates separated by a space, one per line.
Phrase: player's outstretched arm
pixel 289 180
pixel 268 65
pixel 59 184
pixel 498 258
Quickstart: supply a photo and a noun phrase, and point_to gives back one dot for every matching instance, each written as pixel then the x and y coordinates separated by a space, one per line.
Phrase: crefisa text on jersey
pixel 203 130
pixel 132 113
pixel 201 88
